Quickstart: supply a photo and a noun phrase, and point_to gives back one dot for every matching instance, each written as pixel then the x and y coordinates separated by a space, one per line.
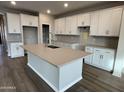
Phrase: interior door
pixel 45 33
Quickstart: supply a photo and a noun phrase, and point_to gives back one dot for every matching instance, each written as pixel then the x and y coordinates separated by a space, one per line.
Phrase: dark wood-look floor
pixel 14 77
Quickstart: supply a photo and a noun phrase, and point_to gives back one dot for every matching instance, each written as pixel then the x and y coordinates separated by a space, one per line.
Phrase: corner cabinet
pixel 29 20
pixel 16 50
pixel 101 57
pixel 13 23
pixel 106 22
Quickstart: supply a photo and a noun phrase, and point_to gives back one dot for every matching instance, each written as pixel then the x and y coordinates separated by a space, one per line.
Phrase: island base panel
pixel 58 78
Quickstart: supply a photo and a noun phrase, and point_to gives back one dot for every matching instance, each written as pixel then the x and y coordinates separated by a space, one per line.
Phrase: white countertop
pixel 58 56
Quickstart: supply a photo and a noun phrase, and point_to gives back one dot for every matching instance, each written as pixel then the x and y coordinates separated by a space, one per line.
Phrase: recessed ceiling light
pixel 13 2
pixel 48 11
pixel 65 4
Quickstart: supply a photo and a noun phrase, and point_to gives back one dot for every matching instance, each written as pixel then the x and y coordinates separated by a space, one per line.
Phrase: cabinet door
pixel 107 60
pixel 115 21
pixel 84 19
pixel 68 25
pixel 94 23
pixel 13 21
pixel 96 57
pixel 104 22
pixel 13 50
pixel 88 59
pixel 73 27
pixel 61 26
pixel 56 26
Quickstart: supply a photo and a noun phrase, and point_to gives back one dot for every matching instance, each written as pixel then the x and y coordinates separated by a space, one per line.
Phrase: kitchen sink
pixel 52 46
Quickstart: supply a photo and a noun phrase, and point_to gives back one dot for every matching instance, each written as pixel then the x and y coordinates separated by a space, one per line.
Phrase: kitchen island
pixel 60 68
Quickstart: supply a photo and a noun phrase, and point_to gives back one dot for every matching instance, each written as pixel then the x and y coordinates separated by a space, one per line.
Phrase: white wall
pixel 119 62
pixel 46 19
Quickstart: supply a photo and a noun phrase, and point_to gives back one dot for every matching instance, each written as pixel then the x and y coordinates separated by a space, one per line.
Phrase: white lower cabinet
pixel 16 50
pixel 88 59
pixel 102 57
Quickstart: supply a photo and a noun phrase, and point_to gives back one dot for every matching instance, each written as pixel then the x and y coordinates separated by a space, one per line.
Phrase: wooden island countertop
pixel 57 56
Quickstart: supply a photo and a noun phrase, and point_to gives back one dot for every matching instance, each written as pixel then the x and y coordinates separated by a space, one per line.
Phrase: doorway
pixel 45 28
pixel 2 33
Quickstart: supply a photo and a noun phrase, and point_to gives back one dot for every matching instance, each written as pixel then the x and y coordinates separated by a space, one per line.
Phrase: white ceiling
pixel 56 7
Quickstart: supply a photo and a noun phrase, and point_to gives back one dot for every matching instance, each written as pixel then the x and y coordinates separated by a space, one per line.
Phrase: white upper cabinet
pixel 102 23
pixel 60 26
pixel 29 20
pixel 109 22
pixel 68 25
pixel 116 21
pixel 71 25
pixel 56 26
pixel 84 19
pixel 94 23
pixel 13 22
pixel 106 22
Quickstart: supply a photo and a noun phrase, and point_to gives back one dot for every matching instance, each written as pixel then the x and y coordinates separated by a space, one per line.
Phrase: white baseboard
pixel 117 74
pixel 51 85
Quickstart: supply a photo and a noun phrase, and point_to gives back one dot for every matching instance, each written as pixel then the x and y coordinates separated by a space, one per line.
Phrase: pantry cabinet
pixel 16 50
pixel 29 20
pixel 84 19
pixel 13 23
pixel 102 57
